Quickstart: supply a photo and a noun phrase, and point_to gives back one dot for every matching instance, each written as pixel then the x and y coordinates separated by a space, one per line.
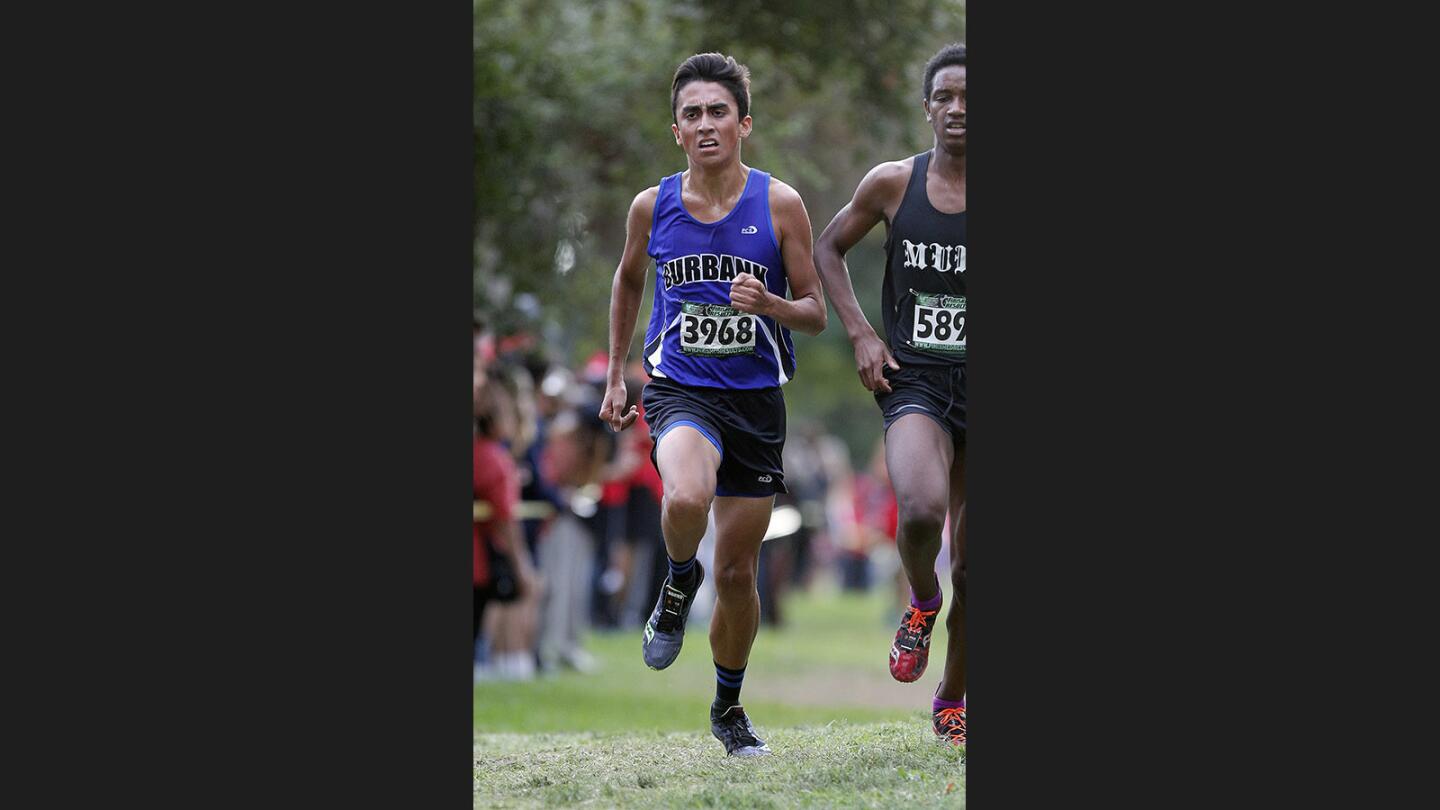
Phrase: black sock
pixel 682 573
pixel 727 685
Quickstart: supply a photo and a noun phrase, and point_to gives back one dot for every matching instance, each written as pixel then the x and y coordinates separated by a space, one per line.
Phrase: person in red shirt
pixel 503 570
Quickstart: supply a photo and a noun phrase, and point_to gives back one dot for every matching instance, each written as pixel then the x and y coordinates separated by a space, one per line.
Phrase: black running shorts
pixel 747 427
pixel 936 391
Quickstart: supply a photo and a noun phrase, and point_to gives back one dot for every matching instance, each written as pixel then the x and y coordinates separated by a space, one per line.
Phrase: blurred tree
pixel 572 119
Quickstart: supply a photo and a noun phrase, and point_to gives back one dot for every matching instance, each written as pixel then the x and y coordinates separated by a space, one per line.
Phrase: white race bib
pixel 715 330
pixel 939 323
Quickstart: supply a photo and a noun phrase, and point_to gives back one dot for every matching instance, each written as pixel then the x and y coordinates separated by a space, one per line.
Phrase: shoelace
pixel 950 725
pixel 951 717
pixel 915 619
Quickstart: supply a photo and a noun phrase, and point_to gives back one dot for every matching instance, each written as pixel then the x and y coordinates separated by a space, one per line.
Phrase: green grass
pixel 844 734
pixel 840 766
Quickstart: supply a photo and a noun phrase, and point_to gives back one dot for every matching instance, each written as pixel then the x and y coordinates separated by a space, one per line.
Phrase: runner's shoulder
pixel 783 196
pixel 645 200
pixel 885 183
pixel 642 208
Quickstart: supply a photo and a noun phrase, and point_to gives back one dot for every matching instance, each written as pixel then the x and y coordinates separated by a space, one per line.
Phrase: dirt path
pixel 839 688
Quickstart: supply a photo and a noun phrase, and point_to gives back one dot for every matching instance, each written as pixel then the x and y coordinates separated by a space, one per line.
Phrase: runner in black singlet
pixel 917 371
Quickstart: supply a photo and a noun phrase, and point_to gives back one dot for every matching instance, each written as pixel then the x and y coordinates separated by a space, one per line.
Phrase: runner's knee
pixel 921 516
pixel 688 504
pixel 735 580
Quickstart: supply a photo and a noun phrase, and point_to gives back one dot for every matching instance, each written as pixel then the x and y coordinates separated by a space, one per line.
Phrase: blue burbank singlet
pixel 695 337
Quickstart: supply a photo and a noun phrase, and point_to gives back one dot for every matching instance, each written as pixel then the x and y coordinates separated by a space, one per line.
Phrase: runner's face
pixel 707 126
pixel 945 109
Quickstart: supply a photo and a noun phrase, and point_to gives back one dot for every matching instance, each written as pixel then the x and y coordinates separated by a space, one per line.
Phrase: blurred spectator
pixel 813 483
pixel 507 585
pixel 839 503
pixel 776 562
pixel 786 547
pixel 876 518
pixel 540 498
pixel 577 447
pixel 503 570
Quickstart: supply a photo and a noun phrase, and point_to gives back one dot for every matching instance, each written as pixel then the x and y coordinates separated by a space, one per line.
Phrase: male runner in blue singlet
pixel 919 378
pixel 726 240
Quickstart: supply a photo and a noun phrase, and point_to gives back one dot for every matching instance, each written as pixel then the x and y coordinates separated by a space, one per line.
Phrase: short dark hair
pixel 952 54
pixel 718 68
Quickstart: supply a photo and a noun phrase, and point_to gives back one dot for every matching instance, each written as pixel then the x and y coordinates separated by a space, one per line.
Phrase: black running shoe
pixel 665 631
pixel 733 729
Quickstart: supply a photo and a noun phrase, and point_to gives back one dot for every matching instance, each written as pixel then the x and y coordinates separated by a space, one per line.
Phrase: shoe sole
pixel 907 667
pixel 948 743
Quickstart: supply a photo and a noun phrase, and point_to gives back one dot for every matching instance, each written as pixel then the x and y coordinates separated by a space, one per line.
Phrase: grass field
pixel 844 734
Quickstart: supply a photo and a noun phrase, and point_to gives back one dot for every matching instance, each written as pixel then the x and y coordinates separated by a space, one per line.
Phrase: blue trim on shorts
pixel 697 426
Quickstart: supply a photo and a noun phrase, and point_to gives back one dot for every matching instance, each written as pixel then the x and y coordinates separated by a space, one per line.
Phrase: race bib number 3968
pixel 939 323
pixel 715 330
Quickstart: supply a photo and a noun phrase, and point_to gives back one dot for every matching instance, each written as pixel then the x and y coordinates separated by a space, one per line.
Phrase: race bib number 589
pixel 715 330
pixel 939 323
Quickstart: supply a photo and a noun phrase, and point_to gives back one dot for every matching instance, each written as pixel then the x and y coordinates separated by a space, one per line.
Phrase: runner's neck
pixel 720 188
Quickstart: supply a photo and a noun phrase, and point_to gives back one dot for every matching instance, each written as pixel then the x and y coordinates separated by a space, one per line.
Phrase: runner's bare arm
pixel 625 294
pixel 875 198
pixel 804 310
